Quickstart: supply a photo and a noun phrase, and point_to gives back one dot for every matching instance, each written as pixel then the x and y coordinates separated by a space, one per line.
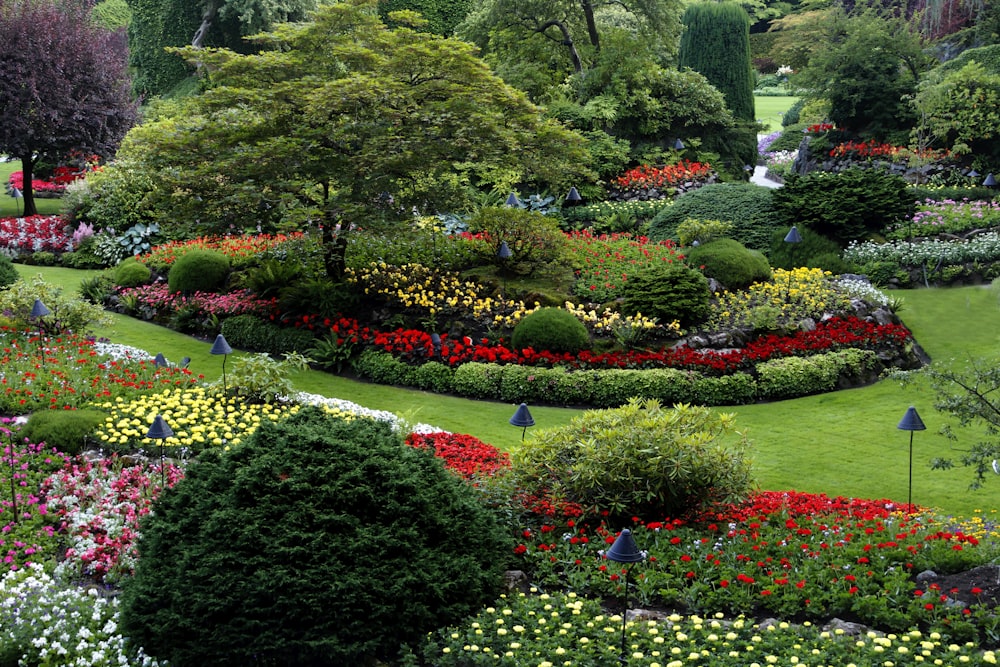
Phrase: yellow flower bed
pixel 198 419
pixel 788 298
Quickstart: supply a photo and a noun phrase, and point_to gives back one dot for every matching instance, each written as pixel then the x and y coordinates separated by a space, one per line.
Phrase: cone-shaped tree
pixel 63 85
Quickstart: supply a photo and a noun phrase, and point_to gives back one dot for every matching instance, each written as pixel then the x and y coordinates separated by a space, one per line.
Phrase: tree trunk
pixel 567 41
pixel 334 244
pixel 28 169
pixel 588 12
pixel 211 9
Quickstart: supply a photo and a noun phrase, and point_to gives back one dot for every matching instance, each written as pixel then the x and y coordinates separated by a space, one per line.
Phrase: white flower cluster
pixel 981 248
pixel 862 289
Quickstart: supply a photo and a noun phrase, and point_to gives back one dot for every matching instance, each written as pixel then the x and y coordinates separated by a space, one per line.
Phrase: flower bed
pixel 35 233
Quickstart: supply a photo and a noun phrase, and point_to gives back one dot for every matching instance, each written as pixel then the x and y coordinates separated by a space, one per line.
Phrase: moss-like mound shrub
pixel 668 292
pixel 730 262
pixel 745 205
pixel 844 206
pixel 552 329
pixel 131 273
pixel 640 459
pixel 66 430
pixel 8 274
pixel 199 271
pixel 318 541
pixel 815 251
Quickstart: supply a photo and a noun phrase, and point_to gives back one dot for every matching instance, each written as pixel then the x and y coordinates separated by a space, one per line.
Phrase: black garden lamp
pixel 160 430
pixel 679 145
pixel 626 552
pixel 522 418
pixel 792 238
pixel 38 311
pixel 160 361
pixel 513 201
pixel 973 174
pixel 18 196
pixel 573 197
pixel 503 254
pixel 436 342
pixel 220 346
pixel 990 181
pixel 911 422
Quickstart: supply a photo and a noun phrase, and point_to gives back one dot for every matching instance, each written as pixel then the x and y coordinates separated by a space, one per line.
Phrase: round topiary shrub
pixel 131 273
pixel 66 430
pixel 668 292
pixel 8 274
pixel 552 330
pixel 730 262
pixel 318 541
pixel 745 205
pixel 640 459
pixel 198 271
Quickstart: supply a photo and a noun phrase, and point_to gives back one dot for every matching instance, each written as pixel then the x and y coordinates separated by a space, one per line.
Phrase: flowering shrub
pixel 239 249
pixel 874 149
pixel 820 128
pixel 156 298
pixel 647 176
pixel 73 373
pixel 948 216
pixel 608 259
pixel 788 298
pixel 35 233
pixel 56 185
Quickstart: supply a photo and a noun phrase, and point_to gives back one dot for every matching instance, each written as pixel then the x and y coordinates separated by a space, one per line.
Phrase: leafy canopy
pixel 344 120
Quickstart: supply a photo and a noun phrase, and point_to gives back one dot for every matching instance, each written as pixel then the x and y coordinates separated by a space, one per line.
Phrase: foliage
pixel 68 431
pixel 199 271
pixel 265 120
pixel 202 550
pixel 867 95
pixel 606 262
pixel 815 251
pixel 8 274
pixel 988 56
pixel 716 42
pixel 935 217
pixel 257 378
pixel 607 217
pixel 640 459
pixel 844 206
pixel 668 292
pixel 112 14
pixel 271 276
pixel 551 329
pixel 694 230
pixel 745 205
pixel 131 273
pixel 250 332
pixel 65 88
pixel 442 16
pixel 801 376
pixel 67 312
pixel 729 262
pixel 533 239
pixel 958 110
pixel 791 117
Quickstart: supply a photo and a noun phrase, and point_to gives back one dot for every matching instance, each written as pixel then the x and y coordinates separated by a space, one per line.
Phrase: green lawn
pixel 843 443
pixel 770 109
pixel 10 207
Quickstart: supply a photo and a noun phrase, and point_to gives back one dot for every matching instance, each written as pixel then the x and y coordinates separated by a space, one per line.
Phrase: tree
pixel 157 24
pixel 63 85
pixel 342 121
pixel 961 110
pixel 716 43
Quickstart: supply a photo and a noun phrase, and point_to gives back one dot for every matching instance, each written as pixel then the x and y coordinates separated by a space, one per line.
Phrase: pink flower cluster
pixel 238 302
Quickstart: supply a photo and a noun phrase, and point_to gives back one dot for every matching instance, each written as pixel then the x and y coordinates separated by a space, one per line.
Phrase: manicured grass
pixel 769 110
pixel 843 443
pixel 10 207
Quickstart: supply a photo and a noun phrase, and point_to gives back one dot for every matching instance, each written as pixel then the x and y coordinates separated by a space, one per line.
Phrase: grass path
pixel 842 443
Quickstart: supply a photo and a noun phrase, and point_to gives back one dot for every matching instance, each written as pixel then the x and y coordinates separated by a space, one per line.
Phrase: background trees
pixel 343 120
pixel 63 85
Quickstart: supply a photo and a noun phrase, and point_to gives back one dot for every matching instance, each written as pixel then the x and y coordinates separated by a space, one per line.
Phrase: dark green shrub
pixel 747 206
pixel 433 376
pixel 131 273
pixel 815 251
pixel 976 192
pixel 248 332
pixel 319 296
pixel 318 541
pixel 68 431
pixel 731 389
pixel 730 262
pixel 614 387
pixel 41 258
pixel 533 239
pixel 790 377
pixel 716 43
pixel 8 274
pixel 791 116
pixel 790 139
pixel 272 276
pixel 478 380
pixel 668 292
pixel 844 206
pixel 551 329
pixel 198 271
pixel 383 368
pixel 97 289
pixel 641 459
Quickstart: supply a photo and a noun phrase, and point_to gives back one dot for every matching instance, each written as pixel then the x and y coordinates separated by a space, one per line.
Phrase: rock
pixel 807 324
pixel 926 575
pixel 845 628
pixel 517 580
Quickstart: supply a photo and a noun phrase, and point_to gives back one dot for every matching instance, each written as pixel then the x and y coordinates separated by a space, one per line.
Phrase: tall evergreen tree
pixel 716 43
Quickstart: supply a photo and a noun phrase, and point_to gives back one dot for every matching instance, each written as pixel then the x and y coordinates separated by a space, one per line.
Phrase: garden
pixel 262 337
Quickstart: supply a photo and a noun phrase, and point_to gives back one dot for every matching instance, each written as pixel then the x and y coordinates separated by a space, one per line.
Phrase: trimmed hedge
pixel 248 332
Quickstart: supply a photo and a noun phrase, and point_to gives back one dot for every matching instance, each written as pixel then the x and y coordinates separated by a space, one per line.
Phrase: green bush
pixel 533 239
pixel 702 231
pixel 433 376
pixel 551 329
pixel 271 276
pixel 641 459
pixel 383 368
pixel 790 377
pixel 318 541
pixel 974 192
pixel 8 274
pixel 40 258
pixel 731 389
pixel 791 116
pixel 790 139
pixel 478 380
pixel 199 271
pixel 815 251
pixel 615 386
pixel 844 206
pixel 131 273
pixel 248 332
pixel 68 431
pixel 746 205
pixel 668 292
pixel 68 313
pixel 318 296
pixel 730 262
